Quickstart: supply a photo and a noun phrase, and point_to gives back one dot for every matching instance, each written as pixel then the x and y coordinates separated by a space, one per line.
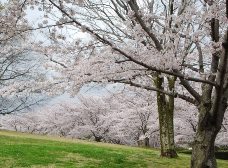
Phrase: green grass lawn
pixel 26 150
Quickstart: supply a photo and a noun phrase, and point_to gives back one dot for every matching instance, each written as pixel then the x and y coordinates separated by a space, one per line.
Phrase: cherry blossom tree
pixel 139 115
pixel 125 72
pixel 24 81
pixel 21 72
pixel 183 41
pixel 22 122
pixel 95 118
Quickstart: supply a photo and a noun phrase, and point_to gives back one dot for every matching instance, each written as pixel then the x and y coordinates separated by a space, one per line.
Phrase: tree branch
pixel 105 41
pixel 135 8
pixel 173 94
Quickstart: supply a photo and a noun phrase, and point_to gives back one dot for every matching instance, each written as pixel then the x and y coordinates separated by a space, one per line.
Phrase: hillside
pixel 26 150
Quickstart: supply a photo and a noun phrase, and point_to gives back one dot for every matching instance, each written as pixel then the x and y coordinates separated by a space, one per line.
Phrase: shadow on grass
pixel 219 155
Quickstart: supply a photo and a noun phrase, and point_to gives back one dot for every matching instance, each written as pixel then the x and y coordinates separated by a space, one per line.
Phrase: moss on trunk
pixel 165 114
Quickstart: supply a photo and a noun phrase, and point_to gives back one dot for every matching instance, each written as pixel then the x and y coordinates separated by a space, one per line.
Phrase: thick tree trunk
pixel 166 135
pixel 211 113
pixel 203 153
pixel 165 114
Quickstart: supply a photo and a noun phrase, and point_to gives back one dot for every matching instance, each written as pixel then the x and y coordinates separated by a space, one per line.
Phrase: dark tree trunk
pixel 203 153
pixel 167 138
pixel 211 113
pixel 144 142
pixel 147 142
pixel 210 120
pixel 165 114
pixel 98 138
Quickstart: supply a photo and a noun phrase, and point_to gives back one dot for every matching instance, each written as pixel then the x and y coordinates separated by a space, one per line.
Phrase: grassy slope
pixel 26 150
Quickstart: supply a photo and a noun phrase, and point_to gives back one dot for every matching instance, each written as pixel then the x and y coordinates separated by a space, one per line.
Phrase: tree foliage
pixel 133 41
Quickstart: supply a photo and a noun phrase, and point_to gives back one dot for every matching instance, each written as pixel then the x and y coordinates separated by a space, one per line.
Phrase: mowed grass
pixel 26 150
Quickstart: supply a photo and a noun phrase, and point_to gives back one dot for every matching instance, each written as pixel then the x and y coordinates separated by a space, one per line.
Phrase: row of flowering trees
pixel 122 118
